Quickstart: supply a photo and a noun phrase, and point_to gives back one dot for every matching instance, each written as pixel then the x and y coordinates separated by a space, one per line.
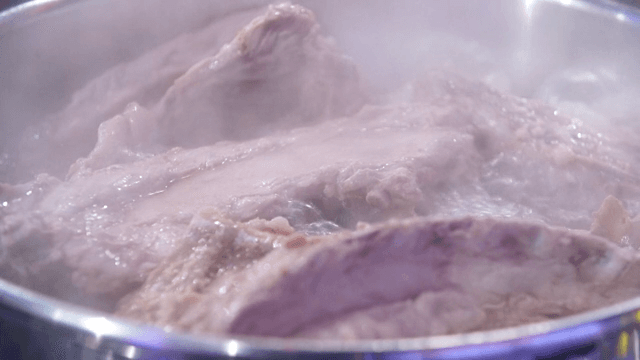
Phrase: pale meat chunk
pixel 612 221
pixel 88 218
pixel 400 279
pixel 71 133
pixel 431 155
pixel 278 72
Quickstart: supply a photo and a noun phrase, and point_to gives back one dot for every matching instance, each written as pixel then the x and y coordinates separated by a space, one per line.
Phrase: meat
pixel 267 192
pixel 87 216
pixel 276 73
pixel 71 133
pixel 384 281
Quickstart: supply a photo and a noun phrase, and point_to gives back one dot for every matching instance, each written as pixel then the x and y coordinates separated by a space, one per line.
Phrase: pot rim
pixel 102 327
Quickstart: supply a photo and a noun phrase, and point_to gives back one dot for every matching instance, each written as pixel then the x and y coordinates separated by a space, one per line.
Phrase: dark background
pixel 4 4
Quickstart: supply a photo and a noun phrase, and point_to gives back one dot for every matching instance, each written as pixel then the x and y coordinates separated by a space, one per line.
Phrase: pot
pixel 566 52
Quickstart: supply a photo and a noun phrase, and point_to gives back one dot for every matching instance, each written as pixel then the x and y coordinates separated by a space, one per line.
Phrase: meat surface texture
pixel 72 133
pixel 257 187
pixel 397 279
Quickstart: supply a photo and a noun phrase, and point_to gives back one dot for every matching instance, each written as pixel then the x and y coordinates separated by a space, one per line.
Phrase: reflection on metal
pixel 99 325
pixel 619 12
pixel 623 345
pixel 131 352
pixel 614 10
pixel 232 348
pixel 625 348
pixel 109 355
pixel 622 17
pixel 27 12
pixel 529 6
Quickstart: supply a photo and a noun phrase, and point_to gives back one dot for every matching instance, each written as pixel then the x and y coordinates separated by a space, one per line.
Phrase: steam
pixel 45 63
pixel 51 70
pixel 390 41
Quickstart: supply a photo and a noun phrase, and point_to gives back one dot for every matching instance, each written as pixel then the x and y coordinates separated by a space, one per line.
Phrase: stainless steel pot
pixel 565 51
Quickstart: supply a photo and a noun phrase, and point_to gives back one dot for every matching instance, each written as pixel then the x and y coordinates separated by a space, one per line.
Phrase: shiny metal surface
pixel 535 39
pixel 26 12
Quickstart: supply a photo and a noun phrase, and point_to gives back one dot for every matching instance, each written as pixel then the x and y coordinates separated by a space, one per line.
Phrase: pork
pixel 71 133
pixel 406 278
pixel 266 180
